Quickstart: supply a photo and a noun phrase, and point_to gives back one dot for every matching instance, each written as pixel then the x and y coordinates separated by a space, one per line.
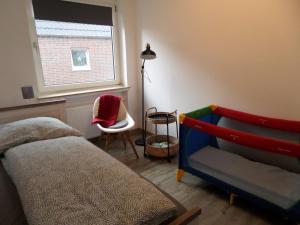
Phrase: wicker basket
pixel 161 152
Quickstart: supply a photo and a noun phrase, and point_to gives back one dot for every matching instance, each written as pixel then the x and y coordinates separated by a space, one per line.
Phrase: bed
pixel 50 174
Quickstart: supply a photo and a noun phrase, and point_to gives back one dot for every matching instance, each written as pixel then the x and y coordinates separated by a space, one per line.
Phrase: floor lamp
pixel 147 54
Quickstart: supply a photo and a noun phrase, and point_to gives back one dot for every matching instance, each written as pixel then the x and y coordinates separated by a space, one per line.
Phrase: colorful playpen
pixel 253 157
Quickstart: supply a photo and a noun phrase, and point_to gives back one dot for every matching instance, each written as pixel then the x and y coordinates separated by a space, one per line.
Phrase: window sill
pixel 84 91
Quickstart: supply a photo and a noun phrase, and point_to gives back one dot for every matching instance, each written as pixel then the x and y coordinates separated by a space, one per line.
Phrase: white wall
pixel 16 62
pixel 17 65
pixel 243 54
pixel 128 27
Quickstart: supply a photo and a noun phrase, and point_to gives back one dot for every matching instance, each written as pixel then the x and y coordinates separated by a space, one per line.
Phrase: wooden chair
pixel 123 131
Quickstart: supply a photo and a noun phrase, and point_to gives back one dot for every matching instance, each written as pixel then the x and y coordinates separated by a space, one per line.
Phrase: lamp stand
pixel 141 141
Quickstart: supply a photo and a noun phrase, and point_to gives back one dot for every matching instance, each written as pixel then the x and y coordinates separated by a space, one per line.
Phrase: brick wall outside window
pixel 57 61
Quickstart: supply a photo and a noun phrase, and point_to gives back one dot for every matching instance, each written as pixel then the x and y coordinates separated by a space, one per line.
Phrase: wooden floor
pixel 192 191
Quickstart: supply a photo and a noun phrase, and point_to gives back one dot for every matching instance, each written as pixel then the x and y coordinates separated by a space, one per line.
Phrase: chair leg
pixel 101 136
pixel 124 140
pixel 106 142
pixel 131 143
pixel 99 139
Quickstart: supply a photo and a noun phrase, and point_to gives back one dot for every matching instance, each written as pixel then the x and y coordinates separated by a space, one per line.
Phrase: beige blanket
pixel 69 181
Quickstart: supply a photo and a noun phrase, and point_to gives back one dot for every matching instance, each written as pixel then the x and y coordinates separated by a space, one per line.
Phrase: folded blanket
pixel 69 181
pixel 109 106
pixel 33 129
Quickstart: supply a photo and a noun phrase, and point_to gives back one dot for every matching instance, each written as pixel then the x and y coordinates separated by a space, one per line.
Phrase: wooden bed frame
pixel 55 108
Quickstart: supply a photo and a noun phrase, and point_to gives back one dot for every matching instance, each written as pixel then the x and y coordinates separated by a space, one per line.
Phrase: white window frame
pixel 44 90
pixel 86 67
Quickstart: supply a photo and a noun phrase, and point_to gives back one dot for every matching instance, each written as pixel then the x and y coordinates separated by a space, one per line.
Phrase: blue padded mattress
pixel 271 183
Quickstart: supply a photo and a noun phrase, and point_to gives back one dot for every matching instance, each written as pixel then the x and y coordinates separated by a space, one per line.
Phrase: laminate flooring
pixel 192 191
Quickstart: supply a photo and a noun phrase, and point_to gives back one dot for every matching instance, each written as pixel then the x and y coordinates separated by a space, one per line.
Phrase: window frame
pixel 42 88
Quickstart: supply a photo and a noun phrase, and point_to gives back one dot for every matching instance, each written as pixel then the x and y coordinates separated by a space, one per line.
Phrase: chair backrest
pixel 121 114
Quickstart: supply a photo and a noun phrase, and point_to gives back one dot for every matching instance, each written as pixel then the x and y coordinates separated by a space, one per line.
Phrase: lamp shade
pixel 148 54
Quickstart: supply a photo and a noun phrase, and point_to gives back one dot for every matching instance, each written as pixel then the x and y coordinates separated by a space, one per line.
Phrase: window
pixel 80 59
pixel 75 52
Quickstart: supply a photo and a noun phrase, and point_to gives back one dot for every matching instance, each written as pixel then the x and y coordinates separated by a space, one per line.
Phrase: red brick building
pixel 75 53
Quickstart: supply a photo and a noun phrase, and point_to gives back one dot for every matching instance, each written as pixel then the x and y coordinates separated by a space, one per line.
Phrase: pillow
pixel 33 129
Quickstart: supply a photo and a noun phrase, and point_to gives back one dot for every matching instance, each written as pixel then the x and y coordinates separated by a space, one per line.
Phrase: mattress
pixel 270 183
pixel 70 181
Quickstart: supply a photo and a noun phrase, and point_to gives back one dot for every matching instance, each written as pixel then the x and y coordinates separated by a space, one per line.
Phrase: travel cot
pixel 253 157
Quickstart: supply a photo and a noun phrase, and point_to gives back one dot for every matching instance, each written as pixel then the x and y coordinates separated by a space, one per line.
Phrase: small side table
pixel 170 146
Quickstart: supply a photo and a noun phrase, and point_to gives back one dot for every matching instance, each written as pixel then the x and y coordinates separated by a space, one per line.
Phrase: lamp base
pixel 140 142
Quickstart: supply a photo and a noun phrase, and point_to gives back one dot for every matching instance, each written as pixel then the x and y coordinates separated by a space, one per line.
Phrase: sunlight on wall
pixel 240 54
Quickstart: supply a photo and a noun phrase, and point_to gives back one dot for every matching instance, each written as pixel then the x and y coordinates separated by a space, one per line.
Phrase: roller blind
pixel 57 10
